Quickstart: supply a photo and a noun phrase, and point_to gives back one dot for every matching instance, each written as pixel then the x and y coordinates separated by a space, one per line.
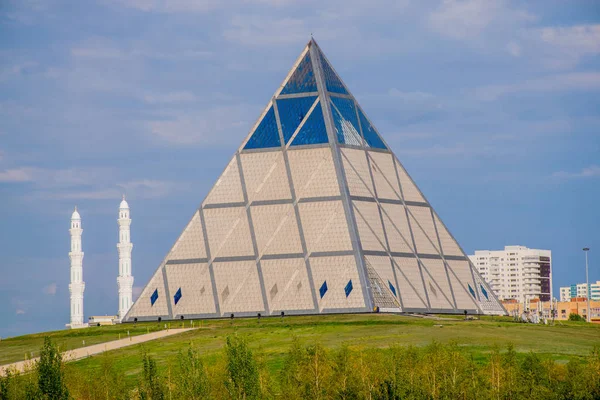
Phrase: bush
pixel 576 317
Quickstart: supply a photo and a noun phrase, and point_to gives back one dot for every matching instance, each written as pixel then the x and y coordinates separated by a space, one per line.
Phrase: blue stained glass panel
pixel 333 82
pixel 472 291
pixel 323 289
pixel 154 297
pixel 392 288
pixel 346 123
pixel 292 112
pixel 484 292
pixel 369 132
pixel 266 133
pixel 313 131
pixel 348 288
pixel 303 78
pixel 177 296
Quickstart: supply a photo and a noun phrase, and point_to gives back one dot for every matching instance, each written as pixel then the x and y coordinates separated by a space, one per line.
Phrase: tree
pixel 151 387
pixel 243 378
pixel 192 382
pixel 50 374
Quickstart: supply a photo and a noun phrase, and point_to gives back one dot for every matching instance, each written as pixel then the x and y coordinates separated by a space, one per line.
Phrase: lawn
pixel 272 337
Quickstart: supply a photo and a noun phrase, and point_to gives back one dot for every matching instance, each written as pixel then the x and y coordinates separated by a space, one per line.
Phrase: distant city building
pixel 516 272
pixel 580 290
pixel 576 305
pixel 98 320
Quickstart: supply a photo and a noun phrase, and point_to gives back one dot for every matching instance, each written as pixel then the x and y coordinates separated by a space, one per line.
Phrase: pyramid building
pixel 314 214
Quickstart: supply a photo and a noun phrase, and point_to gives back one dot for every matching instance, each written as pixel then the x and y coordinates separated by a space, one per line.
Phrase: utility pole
pixel 587 286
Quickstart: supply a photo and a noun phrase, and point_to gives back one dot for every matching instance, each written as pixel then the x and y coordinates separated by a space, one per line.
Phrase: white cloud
pixel 50 289
pixel 171 6
pixel 148 188
pixel 20 311
pixel 469 19
pixel 258 30
pixel 514 49
pixel 564 47
pixel 582 81
pixel 16 175
pixel 209 127
pixel 593 171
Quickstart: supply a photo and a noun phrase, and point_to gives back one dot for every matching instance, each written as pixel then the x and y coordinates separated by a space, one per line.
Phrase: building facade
pixel 517 272
pixel 563 309
pixel 314 214
pixel 580 290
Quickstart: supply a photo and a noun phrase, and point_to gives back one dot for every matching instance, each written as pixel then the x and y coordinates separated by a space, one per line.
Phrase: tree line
pixel 311 371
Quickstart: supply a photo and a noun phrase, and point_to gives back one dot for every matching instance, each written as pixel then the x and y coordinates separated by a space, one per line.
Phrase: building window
pixel 348 288
pixel 154 297
pixel 323 289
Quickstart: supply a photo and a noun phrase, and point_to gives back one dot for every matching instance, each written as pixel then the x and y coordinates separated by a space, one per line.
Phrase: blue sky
pixel 492 106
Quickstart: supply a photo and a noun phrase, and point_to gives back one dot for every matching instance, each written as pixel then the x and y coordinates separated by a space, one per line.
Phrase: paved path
pixel 82 352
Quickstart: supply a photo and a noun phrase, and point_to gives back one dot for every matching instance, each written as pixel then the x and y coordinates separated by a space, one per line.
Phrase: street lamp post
pixel 587 286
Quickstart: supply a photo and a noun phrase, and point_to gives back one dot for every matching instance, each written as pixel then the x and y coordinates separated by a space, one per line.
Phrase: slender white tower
pixel 77 286
pixel 125 279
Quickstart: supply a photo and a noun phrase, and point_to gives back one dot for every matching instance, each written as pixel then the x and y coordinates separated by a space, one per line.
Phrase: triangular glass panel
pixel 292 112
pixel 346 123
pixel 333 82
pixel 303 78
pixel 313 131
pixel 371 136
pixel 266 134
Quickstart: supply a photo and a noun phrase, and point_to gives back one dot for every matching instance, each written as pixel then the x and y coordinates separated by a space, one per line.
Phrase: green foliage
pixel 243 378
pixel 576 318
pixel 192 379
pixel 49 369
pixel 151 386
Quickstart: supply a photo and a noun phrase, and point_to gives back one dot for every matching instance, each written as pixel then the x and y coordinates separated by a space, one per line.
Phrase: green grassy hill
pixel 272 337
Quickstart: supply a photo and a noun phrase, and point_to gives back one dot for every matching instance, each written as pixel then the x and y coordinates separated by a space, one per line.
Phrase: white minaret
pixel 77 286
pixel 125 279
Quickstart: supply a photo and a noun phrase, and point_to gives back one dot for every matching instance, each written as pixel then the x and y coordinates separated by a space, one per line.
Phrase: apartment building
pixel 516 272
pixel 580 290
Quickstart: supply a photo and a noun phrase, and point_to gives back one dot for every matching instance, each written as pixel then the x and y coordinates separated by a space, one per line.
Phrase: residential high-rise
pixel 313 214
pixel 580 290
pixel 125 279
pixel 516 272
pixel 77 286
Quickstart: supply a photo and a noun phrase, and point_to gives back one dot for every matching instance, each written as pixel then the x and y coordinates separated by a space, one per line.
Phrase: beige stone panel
pixel 143 306
pixel 313 173
pixel 265 176
pixel 460 284
pixel 357 172
pixel 449 246
pixel 276 229
pixel 196 289
pixel 369 226
pixel 191 242
pixel 238 287
pixel 384 175
pixel 228 188
pixel 409 189
pixel 410 283
pixel 325 227
pixel 337 272
pixel 425 237
pixel 383 267
pixel 396 228
pixel 287 285
pixel 228 232
pixel 440 296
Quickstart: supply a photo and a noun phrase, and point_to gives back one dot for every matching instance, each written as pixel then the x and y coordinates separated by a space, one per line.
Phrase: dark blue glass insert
pixel 292 112
pixel 154 297
pixel 313 131
pixel 303 78
pixel 369 133
pixel 177 296
pixel 266 133
pixel 348 288
pixel 392 288
pixel 323 289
